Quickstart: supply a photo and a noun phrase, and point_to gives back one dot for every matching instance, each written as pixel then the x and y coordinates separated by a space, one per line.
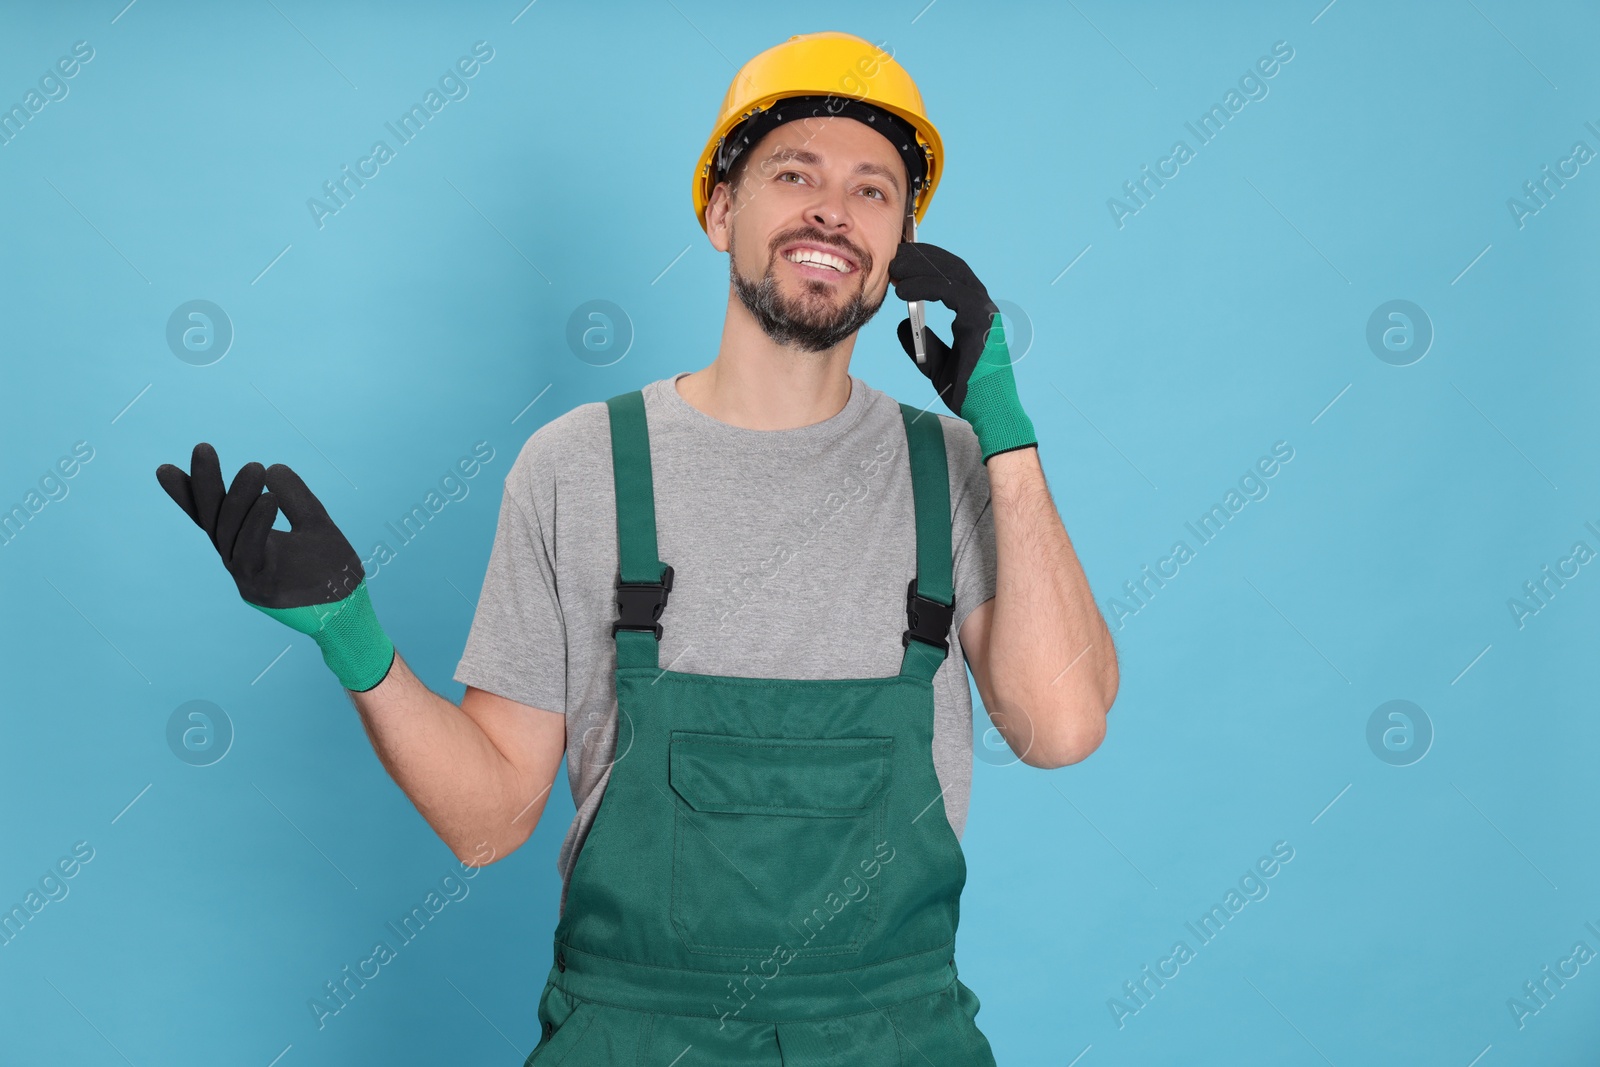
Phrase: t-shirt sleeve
pixel 517 647
pixel 972 521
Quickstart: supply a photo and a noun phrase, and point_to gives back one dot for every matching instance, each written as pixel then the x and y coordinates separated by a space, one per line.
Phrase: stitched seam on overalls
pixel 830 1033
pixel 884 744
pixel 695 738
pixel 809 974
pixel 708 1015
pixel 760 1022
pixel 647 1031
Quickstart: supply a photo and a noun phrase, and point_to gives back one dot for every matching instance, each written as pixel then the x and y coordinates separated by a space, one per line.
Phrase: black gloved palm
pixel 307 577
pixel 311 563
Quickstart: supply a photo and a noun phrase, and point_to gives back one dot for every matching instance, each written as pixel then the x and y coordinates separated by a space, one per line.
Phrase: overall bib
pixel 771 877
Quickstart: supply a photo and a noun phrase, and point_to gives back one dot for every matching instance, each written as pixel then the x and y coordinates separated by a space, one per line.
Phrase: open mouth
pixel 815 263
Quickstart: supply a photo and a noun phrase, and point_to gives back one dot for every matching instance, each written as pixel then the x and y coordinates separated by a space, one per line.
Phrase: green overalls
pixel 771 877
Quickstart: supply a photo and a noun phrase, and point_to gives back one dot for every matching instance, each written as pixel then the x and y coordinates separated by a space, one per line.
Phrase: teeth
pixel 818 259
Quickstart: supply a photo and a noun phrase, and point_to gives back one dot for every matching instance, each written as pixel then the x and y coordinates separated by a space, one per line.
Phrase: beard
pixel 814 322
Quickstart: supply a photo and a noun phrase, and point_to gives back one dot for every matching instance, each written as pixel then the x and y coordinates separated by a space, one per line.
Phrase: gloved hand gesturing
pixel 974 379
pixel 307 577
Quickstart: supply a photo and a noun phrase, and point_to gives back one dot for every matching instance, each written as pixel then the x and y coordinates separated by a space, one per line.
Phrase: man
pixel 702 591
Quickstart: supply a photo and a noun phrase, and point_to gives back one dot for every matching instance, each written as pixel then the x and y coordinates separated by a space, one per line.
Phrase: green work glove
pixel 974 379
pixel 307 577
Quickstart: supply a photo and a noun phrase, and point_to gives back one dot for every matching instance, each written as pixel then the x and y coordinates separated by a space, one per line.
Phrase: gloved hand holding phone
pixel 307 577
pixel 974 378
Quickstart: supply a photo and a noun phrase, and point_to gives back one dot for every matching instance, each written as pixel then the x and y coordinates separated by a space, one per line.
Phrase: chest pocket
pixel 770 841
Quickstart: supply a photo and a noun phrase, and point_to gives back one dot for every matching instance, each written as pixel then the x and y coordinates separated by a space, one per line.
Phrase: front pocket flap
pixel 820 777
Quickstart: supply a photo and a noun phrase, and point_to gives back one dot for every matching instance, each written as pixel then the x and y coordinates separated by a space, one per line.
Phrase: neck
pixel 757 384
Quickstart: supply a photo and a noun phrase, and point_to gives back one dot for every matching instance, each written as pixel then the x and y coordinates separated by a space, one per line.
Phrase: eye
pixel 788 173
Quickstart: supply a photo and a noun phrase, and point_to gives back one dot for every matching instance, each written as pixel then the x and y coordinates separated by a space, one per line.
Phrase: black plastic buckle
pixel 640 604
pixel 929 620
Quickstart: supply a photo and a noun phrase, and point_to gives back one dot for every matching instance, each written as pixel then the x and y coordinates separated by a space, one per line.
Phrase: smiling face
pixel 816 218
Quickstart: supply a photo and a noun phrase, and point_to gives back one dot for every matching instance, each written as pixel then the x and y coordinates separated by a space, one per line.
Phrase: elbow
pixel 1074 725
pixel 481 854
pixel 1072 733
pixel 1075 746
pixel 1085 721
pixel 481 848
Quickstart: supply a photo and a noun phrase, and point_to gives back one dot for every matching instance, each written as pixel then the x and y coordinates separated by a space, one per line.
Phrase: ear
pixel 719 216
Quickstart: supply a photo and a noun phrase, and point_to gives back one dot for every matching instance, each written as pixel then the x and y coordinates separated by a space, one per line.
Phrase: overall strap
pixel 930 596
pixel 643 580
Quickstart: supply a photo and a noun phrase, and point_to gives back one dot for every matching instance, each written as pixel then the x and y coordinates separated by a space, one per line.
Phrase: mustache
pixel 812 237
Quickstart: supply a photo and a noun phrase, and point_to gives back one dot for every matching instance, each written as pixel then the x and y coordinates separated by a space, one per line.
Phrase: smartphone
pixel 914 307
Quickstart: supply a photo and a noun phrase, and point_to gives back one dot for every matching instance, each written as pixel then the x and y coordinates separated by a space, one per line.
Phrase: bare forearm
pixel 443 761
pixel 1051 654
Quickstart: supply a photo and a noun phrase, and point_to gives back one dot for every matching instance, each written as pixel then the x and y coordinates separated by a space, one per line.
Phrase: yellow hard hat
pixel 831 74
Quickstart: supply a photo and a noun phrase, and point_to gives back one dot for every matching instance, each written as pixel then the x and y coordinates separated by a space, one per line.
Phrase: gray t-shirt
pixel 790 549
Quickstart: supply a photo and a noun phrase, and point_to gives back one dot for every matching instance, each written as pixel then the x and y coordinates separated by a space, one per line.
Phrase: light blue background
pixel 1228 314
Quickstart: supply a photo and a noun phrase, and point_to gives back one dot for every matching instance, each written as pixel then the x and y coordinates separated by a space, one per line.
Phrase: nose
pixel 830 211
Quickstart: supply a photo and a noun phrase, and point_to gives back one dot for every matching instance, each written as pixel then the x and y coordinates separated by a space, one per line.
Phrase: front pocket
pixel 769 839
